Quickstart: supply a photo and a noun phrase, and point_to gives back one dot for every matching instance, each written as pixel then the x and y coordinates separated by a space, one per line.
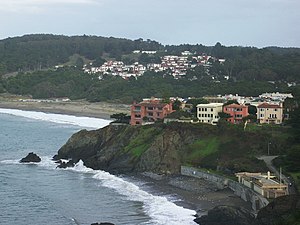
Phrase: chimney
pixel 269 175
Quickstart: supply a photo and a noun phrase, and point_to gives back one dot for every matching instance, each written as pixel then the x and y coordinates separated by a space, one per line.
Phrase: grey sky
pixel 257 23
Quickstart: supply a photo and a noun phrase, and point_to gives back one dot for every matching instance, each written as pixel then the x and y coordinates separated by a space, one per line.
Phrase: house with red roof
pixel 237 112
pixel 149 110
pixel 269 113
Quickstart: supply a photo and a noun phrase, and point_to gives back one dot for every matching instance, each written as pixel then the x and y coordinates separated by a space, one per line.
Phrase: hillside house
pixel 149 110
pixel 270 113
pixel 209 113
pixel 236 112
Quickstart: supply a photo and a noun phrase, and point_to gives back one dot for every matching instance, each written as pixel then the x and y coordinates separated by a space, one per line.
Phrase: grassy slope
pixel 226 147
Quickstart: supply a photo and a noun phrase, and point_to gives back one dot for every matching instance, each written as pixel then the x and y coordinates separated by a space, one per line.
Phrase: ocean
pixel 39 193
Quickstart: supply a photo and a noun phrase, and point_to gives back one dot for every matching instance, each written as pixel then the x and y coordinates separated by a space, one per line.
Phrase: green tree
pixel 121 118
pixel 176 104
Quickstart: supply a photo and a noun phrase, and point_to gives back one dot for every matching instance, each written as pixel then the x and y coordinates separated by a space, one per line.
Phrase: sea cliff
pixel 163 148
pixel 121 148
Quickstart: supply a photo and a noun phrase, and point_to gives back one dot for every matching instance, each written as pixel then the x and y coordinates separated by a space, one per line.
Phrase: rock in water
pixel 65 164
pixel 31 157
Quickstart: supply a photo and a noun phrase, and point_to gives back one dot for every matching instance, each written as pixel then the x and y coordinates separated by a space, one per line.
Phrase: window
pixel 137 108
pixel 261 115
pixel 262 110
pixel 137 122
pixel 211 110
pixel 158 114
pixel 150 114
pixel 150 108
pixel 159 108
pixel 275 110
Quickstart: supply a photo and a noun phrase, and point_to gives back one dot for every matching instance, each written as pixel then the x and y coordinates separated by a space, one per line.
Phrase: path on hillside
pixel 286 180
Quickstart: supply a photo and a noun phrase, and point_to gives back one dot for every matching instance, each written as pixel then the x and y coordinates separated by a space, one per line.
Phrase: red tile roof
pixel 235 106
pixel 267 105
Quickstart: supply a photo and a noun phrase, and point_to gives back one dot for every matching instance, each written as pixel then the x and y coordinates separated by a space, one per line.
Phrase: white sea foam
pixel 87 122
pixel 158 208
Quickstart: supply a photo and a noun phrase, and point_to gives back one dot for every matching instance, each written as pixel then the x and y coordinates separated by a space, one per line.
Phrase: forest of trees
pixel 73 83
pixel 33 57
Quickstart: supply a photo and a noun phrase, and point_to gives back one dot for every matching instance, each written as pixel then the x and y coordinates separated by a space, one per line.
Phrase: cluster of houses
pixel 176 65
pixel 269 109
pixel 118 68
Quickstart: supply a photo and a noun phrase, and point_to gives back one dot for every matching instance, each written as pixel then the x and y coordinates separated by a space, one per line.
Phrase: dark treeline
pixel 43 51
pixel 73 83
pixel 251 71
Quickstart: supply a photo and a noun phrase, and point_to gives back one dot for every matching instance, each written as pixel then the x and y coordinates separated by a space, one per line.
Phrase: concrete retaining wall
pixel 240 190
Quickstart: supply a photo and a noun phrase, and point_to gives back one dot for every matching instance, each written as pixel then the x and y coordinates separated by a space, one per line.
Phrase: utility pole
pixel 269 148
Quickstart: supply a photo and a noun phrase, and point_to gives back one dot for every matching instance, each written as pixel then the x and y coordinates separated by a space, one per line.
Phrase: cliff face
pixel 121 148
pixel 159 148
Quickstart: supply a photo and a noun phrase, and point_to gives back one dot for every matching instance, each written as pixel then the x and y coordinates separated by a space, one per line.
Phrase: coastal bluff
pixel 163 148
pixel 123 149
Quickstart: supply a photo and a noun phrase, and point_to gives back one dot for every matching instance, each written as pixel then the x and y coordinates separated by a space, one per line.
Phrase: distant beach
pixel 101 110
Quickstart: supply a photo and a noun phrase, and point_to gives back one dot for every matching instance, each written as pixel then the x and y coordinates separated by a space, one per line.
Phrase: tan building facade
pixel 269 113
pixel 209 113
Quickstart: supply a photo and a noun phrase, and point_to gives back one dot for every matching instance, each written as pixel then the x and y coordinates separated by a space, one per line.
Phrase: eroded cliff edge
pixel 162 148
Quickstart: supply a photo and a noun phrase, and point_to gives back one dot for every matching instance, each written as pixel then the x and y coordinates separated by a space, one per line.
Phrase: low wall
pixel 240 190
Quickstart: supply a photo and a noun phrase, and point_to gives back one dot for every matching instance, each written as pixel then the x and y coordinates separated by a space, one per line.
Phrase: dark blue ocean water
pixel 41 194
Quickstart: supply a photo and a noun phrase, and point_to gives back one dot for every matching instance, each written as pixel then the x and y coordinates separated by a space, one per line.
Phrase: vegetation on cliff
pixel 163 148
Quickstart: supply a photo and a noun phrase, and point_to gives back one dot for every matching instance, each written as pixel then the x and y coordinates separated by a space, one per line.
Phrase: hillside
pixel 27 67
pixel 162 148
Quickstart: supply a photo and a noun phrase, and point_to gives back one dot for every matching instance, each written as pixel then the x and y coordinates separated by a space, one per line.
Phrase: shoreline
pixel 100 110
pixel 192 193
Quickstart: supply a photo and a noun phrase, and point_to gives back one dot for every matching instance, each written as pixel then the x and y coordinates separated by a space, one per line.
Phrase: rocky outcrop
pixel 226 215
pixel 158 148
pixel 283 210
pixel 121 149
pixel 31 157
pixel 65 163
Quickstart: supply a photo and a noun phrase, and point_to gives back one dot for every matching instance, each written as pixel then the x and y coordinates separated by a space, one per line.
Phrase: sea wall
pixel 257 201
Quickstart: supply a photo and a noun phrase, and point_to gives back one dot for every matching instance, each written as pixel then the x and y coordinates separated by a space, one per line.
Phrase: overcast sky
pixel 258 23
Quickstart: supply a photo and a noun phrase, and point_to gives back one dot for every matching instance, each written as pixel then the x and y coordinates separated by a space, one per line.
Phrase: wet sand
pixel 193 193
pixel 78 108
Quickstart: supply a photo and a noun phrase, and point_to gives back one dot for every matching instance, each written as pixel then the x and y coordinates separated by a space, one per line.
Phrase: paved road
pixel 286 180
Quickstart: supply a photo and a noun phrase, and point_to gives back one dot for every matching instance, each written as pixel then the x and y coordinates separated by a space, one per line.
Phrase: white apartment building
pixel 209 113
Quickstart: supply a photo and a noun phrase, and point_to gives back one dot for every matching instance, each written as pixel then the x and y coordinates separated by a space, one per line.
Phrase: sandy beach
pixel 101 110
pixel 193 193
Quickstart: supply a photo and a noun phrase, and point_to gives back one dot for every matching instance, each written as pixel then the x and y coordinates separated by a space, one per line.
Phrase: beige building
pixel 269 113
pixel 209 113
pixel 264 184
